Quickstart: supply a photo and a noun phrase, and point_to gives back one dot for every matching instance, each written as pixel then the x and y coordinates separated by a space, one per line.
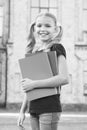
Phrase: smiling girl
pixel 45 35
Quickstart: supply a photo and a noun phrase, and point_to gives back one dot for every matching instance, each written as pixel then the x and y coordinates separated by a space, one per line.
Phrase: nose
pixel 42 28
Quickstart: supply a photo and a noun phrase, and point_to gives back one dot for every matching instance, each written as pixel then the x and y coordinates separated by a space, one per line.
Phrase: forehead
pixel 45 20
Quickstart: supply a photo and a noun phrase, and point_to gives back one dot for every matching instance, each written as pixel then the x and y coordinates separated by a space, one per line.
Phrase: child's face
pixel 44 28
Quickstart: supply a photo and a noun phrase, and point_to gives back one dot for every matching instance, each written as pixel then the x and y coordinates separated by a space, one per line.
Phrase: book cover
pixel 36 67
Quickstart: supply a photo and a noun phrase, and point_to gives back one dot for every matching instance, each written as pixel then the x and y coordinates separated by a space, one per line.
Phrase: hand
pixel 27 84
pixel 21 119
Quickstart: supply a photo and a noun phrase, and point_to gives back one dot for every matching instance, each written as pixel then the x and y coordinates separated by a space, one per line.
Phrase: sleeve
pixel 60 50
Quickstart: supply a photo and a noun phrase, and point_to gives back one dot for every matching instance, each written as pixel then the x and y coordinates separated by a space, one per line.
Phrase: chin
pixel 44 40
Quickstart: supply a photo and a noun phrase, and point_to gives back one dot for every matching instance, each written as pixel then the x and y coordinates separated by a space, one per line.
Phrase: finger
pixel 24 90
pixel 18 122
pixel 24 87
pixel 21 84
pixel 24 79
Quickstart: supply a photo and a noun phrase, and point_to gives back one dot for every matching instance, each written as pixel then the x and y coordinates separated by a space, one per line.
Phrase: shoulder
pixel 59 48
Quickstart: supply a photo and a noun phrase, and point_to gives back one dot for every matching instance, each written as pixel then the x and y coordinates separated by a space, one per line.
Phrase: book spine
pixel 53 62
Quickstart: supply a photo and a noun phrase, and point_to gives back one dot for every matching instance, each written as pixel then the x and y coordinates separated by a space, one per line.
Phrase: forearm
pixel 52 82
pixel 61 79
pixel 24 105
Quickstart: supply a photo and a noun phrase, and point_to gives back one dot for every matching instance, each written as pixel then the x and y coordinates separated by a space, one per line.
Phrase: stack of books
pixel 39 66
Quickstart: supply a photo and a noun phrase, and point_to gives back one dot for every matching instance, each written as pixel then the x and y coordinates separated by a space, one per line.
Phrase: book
pixel 38 66
pixel 53 62
pixel 40 93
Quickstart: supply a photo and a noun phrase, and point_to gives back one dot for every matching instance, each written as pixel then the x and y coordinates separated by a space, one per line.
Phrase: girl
pixel 45 35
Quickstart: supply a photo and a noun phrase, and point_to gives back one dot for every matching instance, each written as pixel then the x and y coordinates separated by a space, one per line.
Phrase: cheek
pixel 37 30
pixel 53 31
pixel 56 29
pixel 36 33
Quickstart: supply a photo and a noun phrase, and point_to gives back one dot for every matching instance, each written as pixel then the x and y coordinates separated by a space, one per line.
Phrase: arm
pixel 55 81
pixel 24 104
pixel 22 112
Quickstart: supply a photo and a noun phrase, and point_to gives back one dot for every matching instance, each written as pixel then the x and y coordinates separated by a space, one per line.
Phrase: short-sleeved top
pixel 50 103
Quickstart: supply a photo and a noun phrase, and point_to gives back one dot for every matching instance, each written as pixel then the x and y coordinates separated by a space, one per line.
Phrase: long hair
pixel 31 38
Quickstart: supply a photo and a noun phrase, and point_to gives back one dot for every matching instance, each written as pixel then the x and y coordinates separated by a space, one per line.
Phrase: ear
pixel 58 28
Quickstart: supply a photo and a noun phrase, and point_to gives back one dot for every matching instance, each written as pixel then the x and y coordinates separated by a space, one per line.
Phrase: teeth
pixel 43 33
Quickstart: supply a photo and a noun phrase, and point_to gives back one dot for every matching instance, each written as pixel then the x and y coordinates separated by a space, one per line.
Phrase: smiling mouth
pixel 43 34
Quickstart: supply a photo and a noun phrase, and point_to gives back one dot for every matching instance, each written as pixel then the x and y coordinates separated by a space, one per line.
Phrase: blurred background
pixel 15 18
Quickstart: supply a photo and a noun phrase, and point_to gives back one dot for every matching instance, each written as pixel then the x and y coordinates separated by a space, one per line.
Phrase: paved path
pixel 8 121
